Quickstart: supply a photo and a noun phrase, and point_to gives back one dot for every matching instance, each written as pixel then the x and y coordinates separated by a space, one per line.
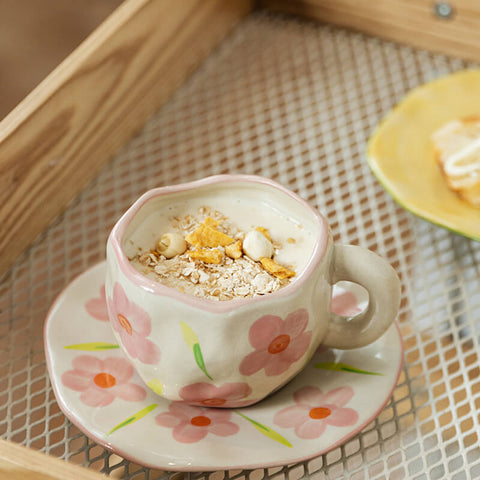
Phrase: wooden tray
pixel 57 139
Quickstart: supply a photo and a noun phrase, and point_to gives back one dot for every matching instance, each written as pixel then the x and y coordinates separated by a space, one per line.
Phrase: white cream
pixel 464 162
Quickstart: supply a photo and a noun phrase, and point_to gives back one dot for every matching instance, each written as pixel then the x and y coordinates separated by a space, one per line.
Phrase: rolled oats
pixel 213 266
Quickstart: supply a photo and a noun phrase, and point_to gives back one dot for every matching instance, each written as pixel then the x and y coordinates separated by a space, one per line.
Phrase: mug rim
pixel 214 306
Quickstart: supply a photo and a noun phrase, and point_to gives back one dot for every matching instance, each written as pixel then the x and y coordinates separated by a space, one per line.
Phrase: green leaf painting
pixel 134 418
pixel 193 344
pixel 92 346
pixel 156 385
pixel 343 367
pixel 267 431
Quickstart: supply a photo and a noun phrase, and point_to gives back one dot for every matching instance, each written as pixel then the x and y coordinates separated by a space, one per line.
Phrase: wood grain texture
pixel 59 136
pixel 36 36
pixel 20 463
pixel 411 22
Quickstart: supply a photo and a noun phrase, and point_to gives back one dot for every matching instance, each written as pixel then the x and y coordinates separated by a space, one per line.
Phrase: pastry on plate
pixel 457 150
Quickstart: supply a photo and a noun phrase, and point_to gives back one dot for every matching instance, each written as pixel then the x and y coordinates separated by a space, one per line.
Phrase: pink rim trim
pixel 116 236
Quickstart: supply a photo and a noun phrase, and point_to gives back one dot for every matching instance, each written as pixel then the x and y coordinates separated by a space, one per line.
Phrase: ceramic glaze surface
pixel 401 153
pixel 334 397
pixel 234 353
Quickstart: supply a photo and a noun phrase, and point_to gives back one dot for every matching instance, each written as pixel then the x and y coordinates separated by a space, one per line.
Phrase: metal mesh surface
pixel 294 101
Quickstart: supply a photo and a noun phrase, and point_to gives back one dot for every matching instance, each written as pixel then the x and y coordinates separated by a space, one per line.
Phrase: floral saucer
pixel 335 396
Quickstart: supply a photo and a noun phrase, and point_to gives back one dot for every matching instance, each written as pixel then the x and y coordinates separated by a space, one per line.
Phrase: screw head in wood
pixel 444 10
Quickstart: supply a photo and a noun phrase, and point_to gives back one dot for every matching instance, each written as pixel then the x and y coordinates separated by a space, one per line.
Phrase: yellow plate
pixel 400 151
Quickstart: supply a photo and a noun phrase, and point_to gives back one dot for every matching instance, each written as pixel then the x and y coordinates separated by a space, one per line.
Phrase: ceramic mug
pixel 234 353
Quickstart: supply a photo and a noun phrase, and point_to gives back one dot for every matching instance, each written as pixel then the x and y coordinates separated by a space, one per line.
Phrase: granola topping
pixel 215 264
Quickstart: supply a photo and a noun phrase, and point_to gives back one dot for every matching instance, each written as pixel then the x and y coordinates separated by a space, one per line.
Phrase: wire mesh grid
pixel 294 101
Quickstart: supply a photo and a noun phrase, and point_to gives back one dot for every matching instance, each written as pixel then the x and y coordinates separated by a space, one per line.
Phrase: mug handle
pixel 376 275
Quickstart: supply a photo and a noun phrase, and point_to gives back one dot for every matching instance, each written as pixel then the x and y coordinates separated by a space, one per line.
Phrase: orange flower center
pixel 200 421
pixel 319 413
pixel 279 344
pixel 125 324
pixel 104 380
pixel 213 402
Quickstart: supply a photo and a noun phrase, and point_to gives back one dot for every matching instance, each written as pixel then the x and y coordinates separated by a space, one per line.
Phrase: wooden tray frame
pixel 59 136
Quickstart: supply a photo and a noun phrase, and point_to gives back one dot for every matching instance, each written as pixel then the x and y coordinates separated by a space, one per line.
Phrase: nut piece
pixel 171 245
pixel 271 266
pixel 264 231
pixel 207 256
pixel 234 250
pixel 256 245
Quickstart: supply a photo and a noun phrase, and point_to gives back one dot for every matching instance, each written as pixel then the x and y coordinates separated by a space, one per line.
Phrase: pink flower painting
pixel 208 395
pixel 101 381
pixel 345 304
pixel 133 325
pixel 191 424
pixel 97 307
pixel 314 411
pixel 278 343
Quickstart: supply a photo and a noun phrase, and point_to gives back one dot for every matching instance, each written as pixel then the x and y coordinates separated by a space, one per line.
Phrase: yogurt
pixel 293 234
